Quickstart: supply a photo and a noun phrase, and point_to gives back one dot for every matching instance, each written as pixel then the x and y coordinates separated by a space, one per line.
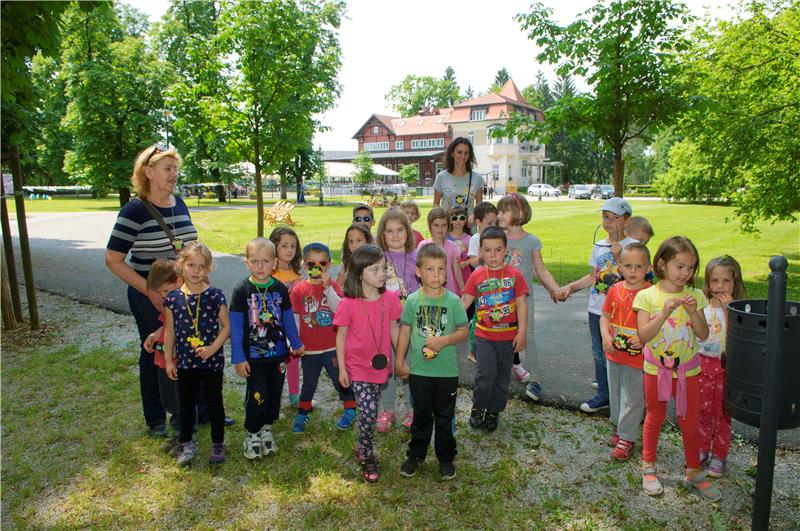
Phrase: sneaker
pixel 369 470
pixel 252 446
pixel 534 391
pixel 594 384
pixel 158 431
pixel 521 373
pixel 300 422
pixel 716 467
pixel 471 357
pixel 614 438
pixel 490 422
pixel 408 419
pixel 594 404
pixel 476 418
pixel 409 467
pixel 385 421
pixel 650 483
pixel 229 421
pixel 186 452
pixel 623 450
pixel 268 446
pixel 294 400
pixel 217 456
pixel 704 487
pixel 347 419
pixel 447 471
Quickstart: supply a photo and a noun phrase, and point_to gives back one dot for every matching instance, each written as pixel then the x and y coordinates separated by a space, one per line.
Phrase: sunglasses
pixel 158 148
pixel 458 217
pixel 362 219
pixel 316 264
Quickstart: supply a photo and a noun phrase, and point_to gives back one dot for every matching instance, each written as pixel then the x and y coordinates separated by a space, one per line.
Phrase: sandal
pixel 704 487
pixel 650 482
pixel 369 470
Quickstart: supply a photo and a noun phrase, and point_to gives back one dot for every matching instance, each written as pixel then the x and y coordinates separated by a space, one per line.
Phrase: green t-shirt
pixel 439 316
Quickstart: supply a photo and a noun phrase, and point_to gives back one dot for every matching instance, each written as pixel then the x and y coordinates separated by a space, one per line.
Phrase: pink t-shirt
pixel 463 246
pixel 453 255
pixel 365 335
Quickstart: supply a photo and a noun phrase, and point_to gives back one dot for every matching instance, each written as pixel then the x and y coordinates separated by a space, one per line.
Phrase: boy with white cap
pixel 604 261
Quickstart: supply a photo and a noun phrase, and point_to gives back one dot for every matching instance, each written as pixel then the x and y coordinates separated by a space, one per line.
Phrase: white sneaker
pixel 520 373
pixel 268 446
pixel 252 446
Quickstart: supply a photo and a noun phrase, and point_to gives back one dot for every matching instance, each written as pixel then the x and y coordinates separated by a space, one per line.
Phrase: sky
pixel 384 41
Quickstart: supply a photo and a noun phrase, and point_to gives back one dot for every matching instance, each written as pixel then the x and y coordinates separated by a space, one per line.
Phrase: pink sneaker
pixel 521 374
pixel 408 418
pixel 385 421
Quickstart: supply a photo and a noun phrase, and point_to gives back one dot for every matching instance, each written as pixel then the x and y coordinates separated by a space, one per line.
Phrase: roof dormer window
pixel 477 115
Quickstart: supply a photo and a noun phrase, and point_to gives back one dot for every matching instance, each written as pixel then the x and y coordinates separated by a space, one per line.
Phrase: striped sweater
pixel 138 233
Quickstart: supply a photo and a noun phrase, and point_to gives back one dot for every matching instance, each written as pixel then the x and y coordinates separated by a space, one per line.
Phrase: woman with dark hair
pixel 458 185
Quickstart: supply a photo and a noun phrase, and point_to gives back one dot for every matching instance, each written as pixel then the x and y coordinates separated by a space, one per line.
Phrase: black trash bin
pixel 746 342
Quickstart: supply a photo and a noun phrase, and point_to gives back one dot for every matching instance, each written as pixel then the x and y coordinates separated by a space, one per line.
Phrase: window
pixel 471 137
pixel 376 146
pixel 376 129
pixel 399 145
pixel 477 115
pixel 427 143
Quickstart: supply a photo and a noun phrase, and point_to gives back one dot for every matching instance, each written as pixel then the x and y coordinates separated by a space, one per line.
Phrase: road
pixel 68 251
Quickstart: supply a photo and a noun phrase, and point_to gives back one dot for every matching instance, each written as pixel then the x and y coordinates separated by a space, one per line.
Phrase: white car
pixel 546 190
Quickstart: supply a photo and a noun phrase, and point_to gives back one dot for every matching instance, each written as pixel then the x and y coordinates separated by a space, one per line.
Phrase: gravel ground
pixel 561 456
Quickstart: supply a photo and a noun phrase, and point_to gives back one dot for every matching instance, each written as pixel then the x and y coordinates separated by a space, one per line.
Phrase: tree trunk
pixel 283 184
pixel 124 196
pixel 619 170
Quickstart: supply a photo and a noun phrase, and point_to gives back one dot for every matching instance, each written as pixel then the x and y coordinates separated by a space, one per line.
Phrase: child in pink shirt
pixel 437 225
pixel 367 318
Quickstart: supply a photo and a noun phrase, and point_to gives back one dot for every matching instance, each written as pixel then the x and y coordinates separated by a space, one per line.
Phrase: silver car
pixel 579 191
pixel 539 189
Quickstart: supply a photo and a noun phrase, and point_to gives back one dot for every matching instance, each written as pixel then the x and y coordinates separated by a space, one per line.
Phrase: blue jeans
pixel 600 371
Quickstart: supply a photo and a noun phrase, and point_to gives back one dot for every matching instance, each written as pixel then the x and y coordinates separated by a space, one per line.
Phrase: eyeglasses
pixel 316 264
pixel 362 219
pixel 158 148
pixel 458 217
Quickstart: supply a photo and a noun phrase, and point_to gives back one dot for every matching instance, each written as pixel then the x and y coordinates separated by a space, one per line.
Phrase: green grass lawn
pixel 566 229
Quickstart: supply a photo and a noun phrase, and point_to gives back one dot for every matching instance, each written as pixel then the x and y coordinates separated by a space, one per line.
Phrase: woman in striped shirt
pixel 137 232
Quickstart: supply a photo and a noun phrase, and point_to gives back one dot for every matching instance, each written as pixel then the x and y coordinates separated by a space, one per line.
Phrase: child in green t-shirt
pixel 433 322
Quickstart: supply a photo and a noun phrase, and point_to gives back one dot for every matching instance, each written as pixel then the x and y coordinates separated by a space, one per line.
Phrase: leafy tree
pixel 625 50
pixel 51 139
pixel 539 94
pixel 691 177
pixel 365 175
pixel 746 76
pixel 410 174
pixel 662 143
pixel 182 38
pixel 415 92
pixel 283 59
pixel 638 161
pixel 114 88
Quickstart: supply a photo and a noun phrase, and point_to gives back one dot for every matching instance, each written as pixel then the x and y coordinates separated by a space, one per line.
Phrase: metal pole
pixel 768 429
pixel 10 261
pixel 24 243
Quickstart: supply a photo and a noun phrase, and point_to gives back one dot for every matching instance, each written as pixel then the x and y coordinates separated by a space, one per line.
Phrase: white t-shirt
pixel 454 189
pixel 606 273
pixel 474 248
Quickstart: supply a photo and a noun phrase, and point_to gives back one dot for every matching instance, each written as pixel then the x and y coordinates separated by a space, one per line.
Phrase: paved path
pixel 68 251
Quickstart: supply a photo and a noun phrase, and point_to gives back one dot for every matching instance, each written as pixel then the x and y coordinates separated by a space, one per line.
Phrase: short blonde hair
pixel 519 207
pixel 192 248
pixel 148 158
pixel 259 244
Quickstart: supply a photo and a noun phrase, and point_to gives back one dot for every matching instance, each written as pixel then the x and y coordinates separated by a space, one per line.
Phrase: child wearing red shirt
pixel 314 302
pixel 623 350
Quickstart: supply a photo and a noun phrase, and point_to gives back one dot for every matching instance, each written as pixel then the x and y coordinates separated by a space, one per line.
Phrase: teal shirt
pixel 439 316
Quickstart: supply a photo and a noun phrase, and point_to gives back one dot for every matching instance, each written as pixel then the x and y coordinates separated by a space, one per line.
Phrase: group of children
pixel 401 304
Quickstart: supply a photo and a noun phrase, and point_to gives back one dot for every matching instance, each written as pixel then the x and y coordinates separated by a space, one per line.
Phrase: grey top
pixel 454 189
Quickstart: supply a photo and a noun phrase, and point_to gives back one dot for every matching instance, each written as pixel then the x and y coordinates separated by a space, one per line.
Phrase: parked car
pixel 546 190
pixel 603 191
pixel 579 191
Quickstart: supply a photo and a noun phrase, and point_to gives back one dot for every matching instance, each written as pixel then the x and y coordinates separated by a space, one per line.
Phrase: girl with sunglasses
pixel 459 234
